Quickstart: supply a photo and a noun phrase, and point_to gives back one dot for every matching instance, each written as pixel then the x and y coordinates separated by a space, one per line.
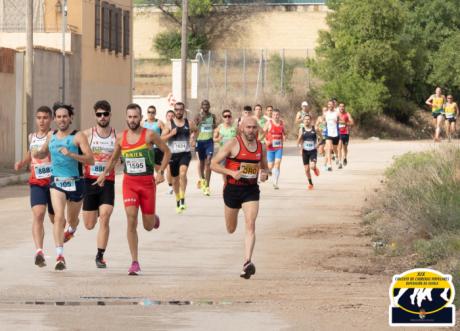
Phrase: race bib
pixel 249 170
pixel 450 115
pixel 308 145
pixel 97 169
pixel 65 183
pixel 180 146
pixel 135 165
pixel 206 128
pixel 342 125
pixel 42 171
pixel 277 143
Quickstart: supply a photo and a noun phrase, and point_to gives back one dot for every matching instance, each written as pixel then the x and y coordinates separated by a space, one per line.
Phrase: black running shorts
pixel 177 160
pixel 309 156
pixel 97 196
pixel 236 195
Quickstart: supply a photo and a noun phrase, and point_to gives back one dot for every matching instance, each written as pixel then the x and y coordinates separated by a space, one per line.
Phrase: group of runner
pixel 71 169
pixel 443 109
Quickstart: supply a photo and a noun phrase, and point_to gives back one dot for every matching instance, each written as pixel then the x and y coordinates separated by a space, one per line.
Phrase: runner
pixel 206 123
pixel 179 133
pixel 321 125
pixel 244 156
pixel 169 117
pixel 225 131
pixel 345 122
pixel 332 133
pixel 99 201
pixel 39 181
pixel 275 136
pixel 268 113
pixel 157 126
pixel 139 184
pixel 261 120
pixel 451 114
pixel 68 149
pixel 436 102
pixel 247 112
pixel 302 113
pixel 307 142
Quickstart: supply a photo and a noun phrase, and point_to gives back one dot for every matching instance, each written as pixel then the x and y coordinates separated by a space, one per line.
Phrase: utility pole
pixel 28 114
pixel 184 51
pixel 64 27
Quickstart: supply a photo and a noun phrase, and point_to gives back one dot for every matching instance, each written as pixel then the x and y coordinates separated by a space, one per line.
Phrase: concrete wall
pixel 49 40
pixel 274 27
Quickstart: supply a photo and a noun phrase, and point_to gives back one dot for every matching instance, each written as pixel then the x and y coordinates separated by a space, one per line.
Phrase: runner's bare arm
pixel 227 150
pixel 111 163
pixel 429 101
pixel 87 154
pixel 298 118
pixel 299 137
pixel 168 132
pixel 216 136
pixel 161 145
pixel 26 159
pixel 351 122
pixel 193 133
pixel 44 151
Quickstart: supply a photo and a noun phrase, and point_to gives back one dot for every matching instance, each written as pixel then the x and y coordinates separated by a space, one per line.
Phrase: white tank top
pixel 102 148
pixel 40 169
pixel 332 128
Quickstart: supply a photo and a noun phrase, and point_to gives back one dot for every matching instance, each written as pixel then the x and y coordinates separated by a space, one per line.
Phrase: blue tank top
pixel 64 166
pixel 153 126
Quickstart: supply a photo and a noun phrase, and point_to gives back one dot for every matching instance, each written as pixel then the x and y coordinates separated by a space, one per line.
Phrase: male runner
pixel 302 113
pixel 157 126
pixel 99 201
pixel 39 181
pixel 275 137
pixel 307 141
pixel 268 113
pixel 345 122
pixel 321 125
pixel 332 133
pixel 169 116
pixel 206 123
pixel 139 184
pixel 226 131
pixel 179 133
pixel 244 157
pixel 261 120
pixel 436 102
pixel 247 112
pixel 451 114
pixel 68 149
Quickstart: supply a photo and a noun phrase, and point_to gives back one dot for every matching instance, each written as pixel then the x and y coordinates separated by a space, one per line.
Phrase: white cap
pixel 304 104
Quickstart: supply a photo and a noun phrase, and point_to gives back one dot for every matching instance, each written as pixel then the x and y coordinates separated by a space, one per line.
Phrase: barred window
pixel 97 35
pixel 126 33
pixel 105 25
pixel 113 28
pixel 118 21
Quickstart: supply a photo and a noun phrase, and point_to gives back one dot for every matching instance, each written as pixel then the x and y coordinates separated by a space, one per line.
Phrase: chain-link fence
pixel 247 75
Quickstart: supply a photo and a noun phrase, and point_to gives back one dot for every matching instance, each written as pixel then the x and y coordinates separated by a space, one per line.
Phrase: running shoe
pixel 207 191
pixel 157 222
pixel 329 168
pixel 170 190
pixel 179 209
pixel 183 207
pixel 333 157
pixel 60 263
pixel 68 235
pixel 345 162
pixel 340 166
pixel 325 167
pixel 135 269
pixel 249 269
pixel 310 186
pixel 316 171
pixel 276 187
pixel 40 259
pixel 100 263
pixel 200 183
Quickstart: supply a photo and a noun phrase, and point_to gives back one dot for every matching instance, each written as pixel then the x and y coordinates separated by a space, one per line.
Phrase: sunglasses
pixel 227 116
pixel 105 113
pixel 152 112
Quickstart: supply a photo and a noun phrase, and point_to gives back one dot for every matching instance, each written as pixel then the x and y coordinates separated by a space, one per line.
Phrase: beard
pixel 134 126
pixel 179 117
pixel 250 136
pixel 103 125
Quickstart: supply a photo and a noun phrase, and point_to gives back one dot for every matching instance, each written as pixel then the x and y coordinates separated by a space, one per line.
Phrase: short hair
pixel 170 111
pixel 258 105
pixel 307 115
pixel 44 109
pixel 342 103
pixel 134 106
pixel 205 101
pixel 276 110
pixel 333 99
pixel 153 107
pixel 179 104
pixel 226 111
pixel 247 108
pixel 59 105
pixel 269 106
pixel 102 104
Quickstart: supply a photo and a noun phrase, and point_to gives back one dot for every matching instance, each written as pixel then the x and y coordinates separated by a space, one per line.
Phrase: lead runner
pixel 244 157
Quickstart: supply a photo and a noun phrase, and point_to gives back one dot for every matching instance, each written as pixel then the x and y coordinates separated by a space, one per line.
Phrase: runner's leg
pixel 231 218
pixel 250 210
pixel 131 215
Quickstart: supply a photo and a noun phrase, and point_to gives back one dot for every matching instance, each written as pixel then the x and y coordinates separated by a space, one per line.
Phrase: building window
pixel 118 21
pixel 97 36
pixel 105 25
pixel 126 33
pixel 113 28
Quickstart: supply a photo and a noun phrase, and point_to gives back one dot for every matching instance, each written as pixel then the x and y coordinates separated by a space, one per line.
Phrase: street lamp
pixel 58 7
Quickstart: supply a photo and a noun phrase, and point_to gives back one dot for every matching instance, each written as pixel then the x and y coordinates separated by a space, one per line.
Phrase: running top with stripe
pixel 309 139
pixel 180 143
pixel 247 162
pixel 138 158
pixel 262 121
pixel 64 166
pixel 275 136
pixel 40 169
pixel 450 109
pixel 437 104
pixel 227 133
pixel 332 127
pixel 205 128
pixel 102 148
pixel 154 126
pixel 343 127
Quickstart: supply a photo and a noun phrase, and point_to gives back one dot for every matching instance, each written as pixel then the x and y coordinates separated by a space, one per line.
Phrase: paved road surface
pixel 313 263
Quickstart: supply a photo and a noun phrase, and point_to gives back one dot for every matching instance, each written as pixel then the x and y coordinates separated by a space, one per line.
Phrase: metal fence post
pixel 244 73
pixel 208 74
pixel 262 61
pixel 225 72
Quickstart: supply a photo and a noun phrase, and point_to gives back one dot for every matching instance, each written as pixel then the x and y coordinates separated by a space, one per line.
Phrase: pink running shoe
pixel 157 222
pixel 135 269
pixel 68 235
